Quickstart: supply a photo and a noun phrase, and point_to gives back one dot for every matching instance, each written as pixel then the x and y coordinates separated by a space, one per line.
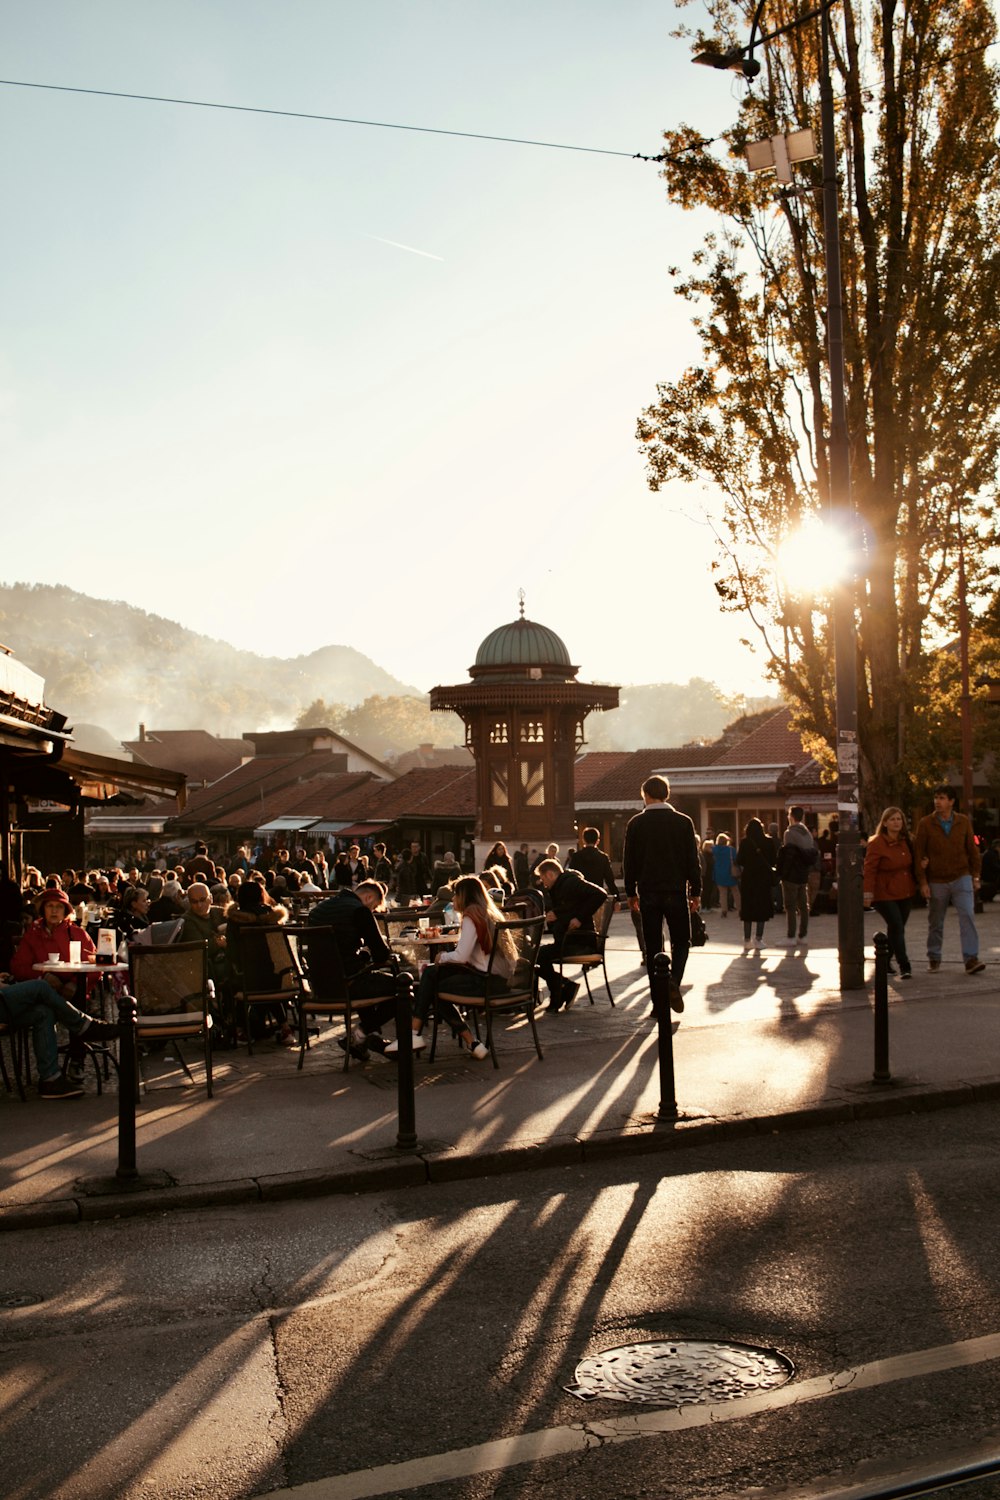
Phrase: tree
pixel 391 726
pixel 920 195
pixel 322 715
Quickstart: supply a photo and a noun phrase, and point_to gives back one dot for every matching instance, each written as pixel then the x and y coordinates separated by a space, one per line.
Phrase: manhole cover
pixel 680 1373
pixel 26 1299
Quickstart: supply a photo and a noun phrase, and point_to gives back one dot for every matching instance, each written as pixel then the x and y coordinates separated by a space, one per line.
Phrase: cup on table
pixel 54 958
pixel 74 952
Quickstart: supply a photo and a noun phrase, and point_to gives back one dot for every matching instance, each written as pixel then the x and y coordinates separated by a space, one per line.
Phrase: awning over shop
pixel 105 827
pixel 287 823
pixel 101 778
pixel 357 830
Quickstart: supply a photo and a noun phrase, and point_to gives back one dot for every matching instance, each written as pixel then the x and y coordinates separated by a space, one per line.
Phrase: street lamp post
pixel 850 906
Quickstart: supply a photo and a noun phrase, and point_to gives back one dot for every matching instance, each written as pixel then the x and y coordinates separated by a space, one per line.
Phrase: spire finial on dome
pixel 520 600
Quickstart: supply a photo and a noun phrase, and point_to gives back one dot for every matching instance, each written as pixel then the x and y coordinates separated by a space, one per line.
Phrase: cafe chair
pixel 515 994
pixel 594 954
pixel 328 990
pixel 267 972
pixel 407 951
pixel 16 1039
pixel 170 987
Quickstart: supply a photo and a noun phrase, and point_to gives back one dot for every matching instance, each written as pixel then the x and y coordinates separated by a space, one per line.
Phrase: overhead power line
pixel 297 114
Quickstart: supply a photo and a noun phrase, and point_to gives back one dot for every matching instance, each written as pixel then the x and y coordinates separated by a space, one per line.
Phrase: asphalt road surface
pixel 420 1343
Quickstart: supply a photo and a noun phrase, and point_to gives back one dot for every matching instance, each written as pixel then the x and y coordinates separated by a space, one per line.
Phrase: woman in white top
pixel 463 971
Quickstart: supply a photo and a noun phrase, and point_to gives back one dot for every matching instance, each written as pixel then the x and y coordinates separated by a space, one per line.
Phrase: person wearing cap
pixel 52 932
pixel 42 1001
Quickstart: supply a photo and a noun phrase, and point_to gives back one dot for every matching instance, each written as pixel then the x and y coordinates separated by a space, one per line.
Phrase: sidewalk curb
pixel 417 1169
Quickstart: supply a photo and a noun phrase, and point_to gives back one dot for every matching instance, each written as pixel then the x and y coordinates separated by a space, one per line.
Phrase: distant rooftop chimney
pixel 142 734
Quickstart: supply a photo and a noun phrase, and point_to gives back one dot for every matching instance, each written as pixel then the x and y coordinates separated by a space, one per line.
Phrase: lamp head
pixel 732 61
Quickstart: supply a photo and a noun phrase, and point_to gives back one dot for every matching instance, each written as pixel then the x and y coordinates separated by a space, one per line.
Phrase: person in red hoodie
pixel 40 1001
pixel 889 881
pixel 52 933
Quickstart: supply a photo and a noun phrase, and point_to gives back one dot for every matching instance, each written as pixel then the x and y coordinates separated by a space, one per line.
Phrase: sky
pixel 294 383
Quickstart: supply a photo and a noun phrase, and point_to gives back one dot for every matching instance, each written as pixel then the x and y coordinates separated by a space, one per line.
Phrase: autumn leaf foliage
pixel 916 105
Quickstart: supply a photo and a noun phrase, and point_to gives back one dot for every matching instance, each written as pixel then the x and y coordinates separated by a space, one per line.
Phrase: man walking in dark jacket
pixel 592 862
pixel 662 874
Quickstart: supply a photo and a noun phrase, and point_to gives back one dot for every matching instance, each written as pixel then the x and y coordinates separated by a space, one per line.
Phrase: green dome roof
pixel 522 643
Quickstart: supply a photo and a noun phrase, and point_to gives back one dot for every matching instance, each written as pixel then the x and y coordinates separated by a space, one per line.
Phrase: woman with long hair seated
pixel 254 907
pixel 463 971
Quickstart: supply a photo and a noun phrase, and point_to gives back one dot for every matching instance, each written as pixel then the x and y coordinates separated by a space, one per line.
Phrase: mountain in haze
pixel 108 663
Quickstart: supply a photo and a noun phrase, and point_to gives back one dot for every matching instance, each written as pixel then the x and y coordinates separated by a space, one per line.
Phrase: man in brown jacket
pixel 947 861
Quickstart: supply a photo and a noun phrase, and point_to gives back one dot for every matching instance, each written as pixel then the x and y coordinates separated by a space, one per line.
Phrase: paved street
pixel 410 1327
pixel 237 1351
pixel 762 1039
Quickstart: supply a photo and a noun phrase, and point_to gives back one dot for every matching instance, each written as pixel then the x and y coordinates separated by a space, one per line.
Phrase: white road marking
pixel 551 1442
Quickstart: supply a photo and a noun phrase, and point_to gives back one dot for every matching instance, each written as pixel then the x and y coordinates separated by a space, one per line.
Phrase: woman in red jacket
pixel 889 882
pixel 52 933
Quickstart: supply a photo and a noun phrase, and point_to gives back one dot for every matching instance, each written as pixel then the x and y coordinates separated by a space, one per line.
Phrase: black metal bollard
pixel 881 1073
pixel 406 1133
pixel 659 988
pixel 128 1083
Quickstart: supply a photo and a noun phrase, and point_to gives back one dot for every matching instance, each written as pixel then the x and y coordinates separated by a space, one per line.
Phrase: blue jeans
pixel 959 894
pixel 34 1003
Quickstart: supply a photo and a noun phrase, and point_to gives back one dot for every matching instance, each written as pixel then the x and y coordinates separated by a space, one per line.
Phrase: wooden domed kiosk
pixel 524 715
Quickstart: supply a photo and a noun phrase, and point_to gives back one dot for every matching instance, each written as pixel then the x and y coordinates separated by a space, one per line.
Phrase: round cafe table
pixel 82 971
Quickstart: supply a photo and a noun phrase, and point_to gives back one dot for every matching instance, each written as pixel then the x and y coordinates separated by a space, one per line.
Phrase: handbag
pixel 699 932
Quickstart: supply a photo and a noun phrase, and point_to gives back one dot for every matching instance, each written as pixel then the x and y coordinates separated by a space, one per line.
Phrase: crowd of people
pixel 766 875
pixel 668 873
pixel 200 899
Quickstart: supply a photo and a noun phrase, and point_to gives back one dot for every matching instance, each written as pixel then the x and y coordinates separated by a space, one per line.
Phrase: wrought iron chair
pixel 16 1038
pixel 593 955
pixel 266 972
pixel 171 991
pixel 406 951
pixel 327 987
pixel 505 992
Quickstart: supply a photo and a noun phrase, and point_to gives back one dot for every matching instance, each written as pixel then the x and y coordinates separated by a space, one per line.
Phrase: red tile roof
pixel 773 743
pixel 345 796
pixel 244 787
pixel 593 765
pixel 433 792
pixel 332 798
pixel 622 782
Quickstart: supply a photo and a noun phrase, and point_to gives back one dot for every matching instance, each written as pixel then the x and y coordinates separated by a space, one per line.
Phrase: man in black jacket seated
pixel 364 953
pixel 662 873
pixel 570 904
